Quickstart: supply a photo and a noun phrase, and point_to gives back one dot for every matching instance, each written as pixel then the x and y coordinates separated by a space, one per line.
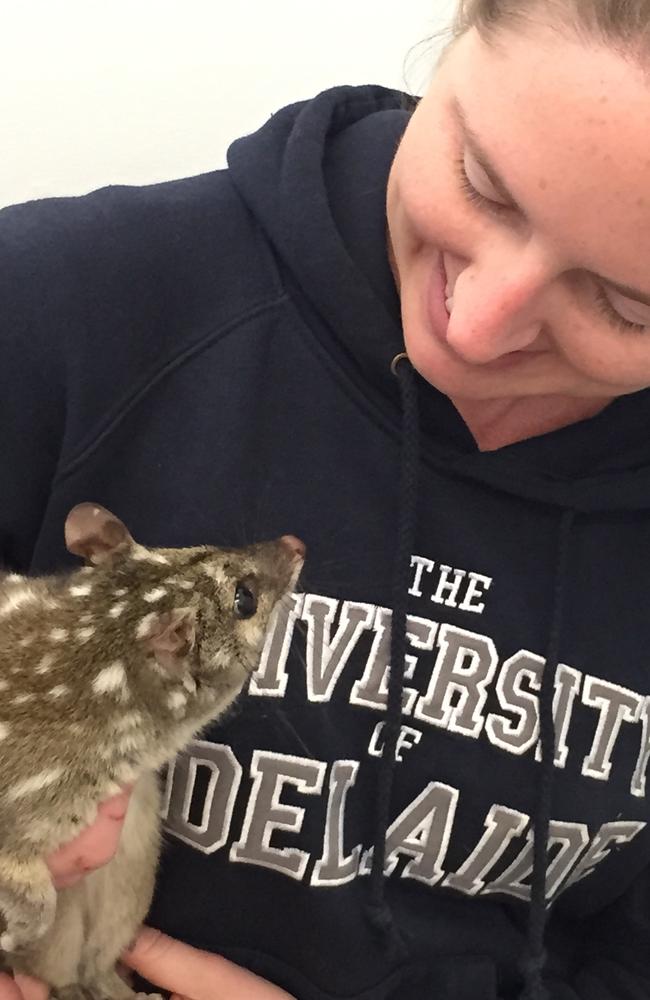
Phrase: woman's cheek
pixel 602 356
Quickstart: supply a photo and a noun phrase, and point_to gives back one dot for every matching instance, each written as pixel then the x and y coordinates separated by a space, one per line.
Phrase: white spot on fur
pixel 178 581
pixel 14 578
pixel 177 699
pixel 221 659
pixel 128 721
pixel 126 772
pixel 26 641
pixel 140 554
pixel 4 730
pixel 34 784
pixel 37 832
pixel 58 690
pixel 84 634
pixel 215 572
pixel 59 634
pixel 129 742
pixel 80 589
pixel 20 699
pixel 4 685
pixel 189 684
pixel 45 663
pixel 117 609
pixel 14 601
pixel 154 595
pixel 86 618
pixel 111 678
pixel 144 625
pixel 120 592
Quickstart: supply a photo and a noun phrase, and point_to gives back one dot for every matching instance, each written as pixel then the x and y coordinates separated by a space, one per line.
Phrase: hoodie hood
pixel 314 177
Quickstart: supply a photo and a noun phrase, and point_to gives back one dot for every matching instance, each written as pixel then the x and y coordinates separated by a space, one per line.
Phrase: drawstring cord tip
pixel 396 360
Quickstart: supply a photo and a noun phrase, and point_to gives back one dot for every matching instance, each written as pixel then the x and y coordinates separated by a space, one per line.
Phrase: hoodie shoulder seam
pixel 140 390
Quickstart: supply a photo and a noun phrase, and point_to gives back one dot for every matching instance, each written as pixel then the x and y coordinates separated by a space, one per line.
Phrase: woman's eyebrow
pixel 474 143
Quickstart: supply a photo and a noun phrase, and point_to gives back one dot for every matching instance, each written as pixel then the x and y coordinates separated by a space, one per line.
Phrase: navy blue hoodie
pixel 211 359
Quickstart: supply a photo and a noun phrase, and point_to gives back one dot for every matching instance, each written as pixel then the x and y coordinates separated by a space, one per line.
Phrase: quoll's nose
pixel 295 545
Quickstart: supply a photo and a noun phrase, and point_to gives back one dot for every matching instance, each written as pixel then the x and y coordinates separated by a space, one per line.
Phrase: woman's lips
pixel 438 315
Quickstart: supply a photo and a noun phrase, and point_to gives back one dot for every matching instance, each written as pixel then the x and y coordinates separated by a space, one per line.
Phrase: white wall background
pixel 94 92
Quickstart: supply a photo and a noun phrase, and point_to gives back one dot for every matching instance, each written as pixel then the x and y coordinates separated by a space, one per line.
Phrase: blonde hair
pixel 623 25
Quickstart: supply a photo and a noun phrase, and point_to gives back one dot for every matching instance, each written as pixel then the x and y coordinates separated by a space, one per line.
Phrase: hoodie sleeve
pixel 97 294
pixel 38 300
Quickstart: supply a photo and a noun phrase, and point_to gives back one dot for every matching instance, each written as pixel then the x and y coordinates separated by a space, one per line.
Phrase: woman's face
pixel 535 257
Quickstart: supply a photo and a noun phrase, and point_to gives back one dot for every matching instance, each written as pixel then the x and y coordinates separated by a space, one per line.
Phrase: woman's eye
pixel 475 196
pixel 245 601
pixel 606 308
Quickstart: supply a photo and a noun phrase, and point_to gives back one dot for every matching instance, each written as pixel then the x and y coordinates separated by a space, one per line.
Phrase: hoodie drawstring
pixel 378 910
pixel 533 964
pixel 379 913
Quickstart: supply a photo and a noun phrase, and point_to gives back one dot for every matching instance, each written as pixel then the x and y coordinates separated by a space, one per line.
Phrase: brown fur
pixel 105 674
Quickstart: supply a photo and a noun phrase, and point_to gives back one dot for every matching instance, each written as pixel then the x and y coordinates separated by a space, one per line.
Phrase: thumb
pixel 9 990
pixel 186 971
pixel 22 988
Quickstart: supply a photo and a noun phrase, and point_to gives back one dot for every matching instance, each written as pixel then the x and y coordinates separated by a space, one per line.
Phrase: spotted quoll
pixel 106 672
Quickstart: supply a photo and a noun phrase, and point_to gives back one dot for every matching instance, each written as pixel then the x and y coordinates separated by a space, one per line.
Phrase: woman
pixel 219 358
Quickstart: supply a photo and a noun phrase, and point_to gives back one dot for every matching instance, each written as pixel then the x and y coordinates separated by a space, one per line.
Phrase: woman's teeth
pixel 449 300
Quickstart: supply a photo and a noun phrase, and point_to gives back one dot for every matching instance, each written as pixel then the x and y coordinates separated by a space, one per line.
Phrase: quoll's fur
pixel 105 674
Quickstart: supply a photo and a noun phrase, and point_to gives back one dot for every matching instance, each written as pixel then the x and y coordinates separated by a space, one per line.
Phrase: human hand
pixel 94 846
pixel 191 974
pixel 22 988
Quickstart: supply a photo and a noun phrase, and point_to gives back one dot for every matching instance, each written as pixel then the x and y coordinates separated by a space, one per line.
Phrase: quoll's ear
pixel 171 636
pixel 95 534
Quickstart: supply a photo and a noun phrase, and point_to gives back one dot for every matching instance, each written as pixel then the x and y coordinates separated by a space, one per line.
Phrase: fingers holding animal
pixel 94 846
pixel 22 988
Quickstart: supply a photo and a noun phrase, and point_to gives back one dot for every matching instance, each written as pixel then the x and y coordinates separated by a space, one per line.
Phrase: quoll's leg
pixel 118 896
pixel 56 958
pixel 98 917
pixel 27 901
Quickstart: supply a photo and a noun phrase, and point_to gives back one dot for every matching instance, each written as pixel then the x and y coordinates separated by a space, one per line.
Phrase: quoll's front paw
pixel 27 903
pixel 24 926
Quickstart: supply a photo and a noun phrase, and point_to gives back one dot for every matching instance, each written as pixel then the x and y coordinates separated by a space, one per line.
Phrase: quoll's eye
pixel 245 601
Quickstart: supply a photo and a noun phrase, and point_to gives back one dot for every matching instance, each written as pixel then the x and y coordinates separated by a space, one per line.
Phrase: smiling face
pixel 526 172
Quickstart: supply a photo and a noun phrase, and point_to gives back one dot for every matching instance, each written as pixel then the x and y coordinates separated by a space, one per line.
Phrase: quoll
pixel 106 672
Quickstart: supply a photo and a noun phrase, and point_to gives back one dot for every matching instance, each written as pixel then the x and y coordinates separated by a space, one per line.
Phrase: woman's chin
pixel 514 375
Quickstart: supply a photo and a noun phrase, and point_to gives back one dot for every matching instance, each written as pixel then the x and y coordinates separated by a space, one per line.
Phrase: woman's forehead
pixel 566 125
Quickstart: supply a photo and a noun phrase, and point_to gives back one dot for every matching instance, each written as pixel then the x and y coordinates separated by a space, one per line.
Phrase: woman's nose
pixel 498 307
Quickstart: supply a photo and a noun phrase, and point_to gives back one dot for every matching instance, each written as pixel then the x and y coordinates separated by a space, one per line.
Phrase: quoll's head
pixel 201 608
